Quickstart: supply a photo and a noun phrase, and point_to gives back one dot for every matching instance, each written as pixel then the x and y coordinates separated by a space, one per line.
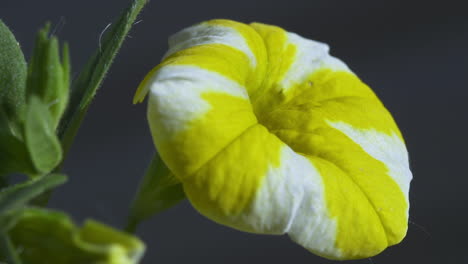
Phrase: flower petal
pixel 268 133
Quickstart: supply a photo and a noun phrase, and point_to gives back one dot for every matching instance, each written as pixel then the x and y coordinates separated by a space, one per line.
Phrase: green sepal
pixel 48 74
pixel 13 71
pixel 158 191
pixel 40 138
pixel 46 236
pixel 17 196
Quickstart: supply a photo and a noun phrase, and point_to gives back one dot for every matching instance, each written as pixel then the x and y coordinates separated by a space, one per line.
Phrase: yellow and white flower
pixel 270 134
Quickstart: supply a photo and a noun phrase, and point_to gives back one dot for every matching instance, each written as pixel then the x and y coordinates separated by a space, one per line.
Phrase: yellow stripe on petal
pixel 200 112
pixel 360 232
pixel 281 56
pixel 389 149
pixel 370 198
pixel 254 42
pixel 227 184
pixel 220 58
pixel 256 45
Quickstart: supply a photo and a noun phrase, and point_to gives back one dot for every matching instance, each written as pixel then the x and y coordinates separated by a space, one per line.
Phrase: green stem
pixel 90 79
pixel 7 250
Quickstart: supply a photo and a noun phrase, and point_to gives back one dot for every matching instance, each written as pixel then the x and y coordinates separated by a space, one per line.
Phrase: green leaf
pixel 158 191
pixel 17 196
pixel 89 80
pixel 12 74
pixel 48 76
pixel 40 138
pixel 47 236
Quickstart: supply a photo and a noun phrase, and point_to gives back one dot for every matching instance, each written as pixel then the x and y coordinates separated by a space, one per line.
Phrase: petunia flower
pixel 270 134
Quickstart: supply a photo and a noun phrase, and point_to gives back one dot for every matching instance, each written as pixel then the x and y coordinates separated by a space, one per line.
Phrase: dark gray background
pixel 413 54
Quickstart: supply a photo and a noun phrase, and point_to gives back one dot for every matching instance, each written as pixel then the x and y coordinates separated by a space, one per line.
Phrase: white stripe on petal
pixel 388 149
pixel 292 200
pixel 311 226
pixel 177 91
pixel 210 34
pixel 310 56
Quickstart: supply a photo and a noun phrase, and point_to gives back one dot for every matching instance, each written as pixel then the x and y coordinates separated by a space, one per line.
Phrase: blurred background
pixel 412 53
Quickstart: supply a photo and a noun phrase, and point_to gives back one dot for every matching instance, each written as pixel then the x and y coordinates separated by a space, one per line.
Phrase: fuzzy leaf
pixel 158 191
pixel 89 80
pixel 12 74
pixel 47 236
